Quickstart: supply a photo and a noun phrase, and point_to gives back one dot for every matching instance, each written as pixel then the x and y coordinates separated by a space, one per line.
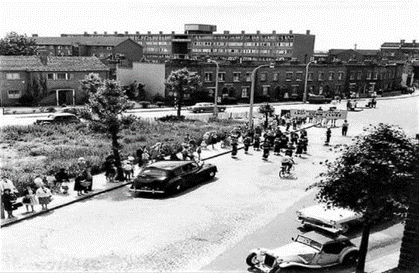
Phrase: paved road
pixel 201 229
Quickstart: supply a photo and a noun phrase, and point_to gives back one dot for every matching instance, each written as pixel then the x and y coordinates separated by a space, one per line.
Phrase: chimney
pixel 173 33
pixel 402 42
pixel 43 57
pixel 274 32
pixel 226 32
pixel 414 42
pixel 160 32
pixel 126 33
pixel 85 33
pixel 34 35
pixel 243 32
pixel 105 33
pixel 116 32
pixel 308 32
pixel 258 32
pixel 148 32
pixel 290 31
pixel 137 32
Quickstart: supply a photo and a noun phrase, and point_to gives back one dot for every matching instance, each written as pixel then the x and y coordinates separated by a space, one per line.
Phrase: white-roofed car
pixel 309 250
pixel 330 219
pixel 202 107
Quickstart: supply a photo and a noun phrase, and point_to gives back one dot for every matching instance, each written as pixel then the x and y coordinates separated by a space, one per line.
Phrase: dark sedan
pixel 59 118
pixel 169 177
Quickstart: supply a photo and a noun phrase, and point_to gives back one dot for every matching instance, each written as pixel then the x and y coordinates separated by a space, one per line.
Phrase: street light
pixel 216 88
pixel 252 91
pixel 305 82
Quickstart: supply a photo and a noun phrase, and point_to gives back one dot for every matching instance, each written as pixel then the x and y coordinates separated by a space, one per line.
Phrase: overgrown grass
pixel 35 149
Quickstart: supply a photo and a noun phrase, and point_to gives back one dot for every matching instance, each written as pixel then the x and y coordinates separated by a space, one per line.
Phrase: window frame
pixel 17 94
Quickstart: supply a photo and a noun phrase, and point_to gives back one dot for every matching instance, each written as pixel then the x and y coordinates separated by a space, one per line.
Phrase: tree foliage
pixel 135 91
pixel 15 44
pixel 36 91
pixel 182 82
pixel 108 101
pixel 373 176
pixel 267 110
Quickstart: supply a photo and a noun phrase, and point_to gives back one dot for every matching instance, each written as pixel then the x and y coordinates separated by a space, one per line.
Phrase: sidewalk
pixel 100 185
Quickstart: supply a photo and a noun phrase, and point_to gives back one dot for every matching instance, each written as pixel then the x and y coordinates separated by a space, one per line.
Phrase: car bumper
pixel 146 190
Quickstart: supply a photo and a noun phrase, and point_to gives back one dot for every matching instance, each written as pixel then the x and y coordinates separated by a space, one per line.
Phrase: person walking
pixel 139 154
pixel 60 178
pixel 345 127
pixel 328 135
pixel 44 196
pixel 300 146
pixel 128 169
pixel 256 142
pixel 29 199
pixel 277 146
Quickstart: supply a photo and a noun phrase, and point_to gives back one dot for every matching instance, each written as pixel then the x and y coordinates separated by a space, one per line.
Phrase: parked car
pixel 333 219
pixel 169 177
pixel 58 118
pixel 309 250
pixel 317 99
pixel 206 107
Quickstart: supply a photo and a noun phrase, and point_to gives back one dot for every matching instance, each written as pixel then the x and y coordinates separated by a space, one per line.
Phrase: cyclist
pixel 287 163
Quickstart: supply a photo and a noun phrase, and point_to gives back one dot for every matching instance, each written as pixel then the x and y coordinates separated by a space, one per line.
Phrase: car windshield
pixel 309 242
pixel 151 171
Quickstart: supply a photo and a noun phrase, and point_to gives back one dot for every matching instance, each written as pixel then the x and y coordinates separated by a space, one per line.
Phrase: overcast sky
pixel 336 24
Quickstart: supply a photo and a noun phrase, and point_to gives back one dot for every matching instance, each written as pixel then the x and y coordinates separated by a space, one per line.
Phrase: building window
pixel 50 76
pixel 310 76
pixel 13 94
pixel 236 76
pixel 62 76
pixel 108 48
pixel 263 77
pixel 208 76
pixel 299 76
pixel 321 76
pixel 248 76
pixel 331 76
pixel 340 76
pixel 265 90
pixel 375 75
pixel 245 92
pixel 12 76
pixel 359 76
pixel 294 91
pixel 288 76
pixel 222 76
pixel 276 76
pixel 369 75
pixel 352 76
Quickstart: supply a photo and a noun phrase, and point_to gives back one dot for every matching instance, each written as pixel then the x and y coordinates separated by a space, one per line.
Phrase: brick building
pixel 59 77
pixel 353 55
pixel 284 82
pixel 200 41
pixel 400 51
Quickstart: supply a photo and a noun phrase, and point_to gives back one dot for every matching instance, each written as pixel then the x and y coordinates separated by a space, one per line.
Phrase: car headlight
pixel 333 223
pixel 299 213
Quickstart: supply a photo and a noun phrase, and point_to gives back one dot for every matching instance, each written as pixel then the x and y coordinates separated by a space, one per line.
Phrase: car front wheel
pixel 252 259
pixel 350 258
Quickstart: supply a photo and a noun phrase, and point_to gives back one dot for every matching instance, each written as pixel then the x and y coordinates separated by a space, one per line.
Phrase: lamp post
pixel 216 88
pixel 305 82
pixel 252 91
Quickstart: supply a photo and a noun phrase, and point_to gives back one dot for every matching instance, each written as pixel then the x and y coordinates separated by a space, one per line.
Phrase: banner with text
pixel 335 114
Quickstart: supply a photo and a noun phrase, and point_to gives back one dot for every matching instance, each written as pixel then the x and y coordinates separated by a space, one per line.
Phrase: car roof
pixel 323 238
pixel 169 165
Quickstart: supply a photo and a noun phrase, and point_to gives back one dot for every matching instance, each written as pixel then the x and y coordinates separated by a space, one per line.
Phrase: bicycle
pixel 287 174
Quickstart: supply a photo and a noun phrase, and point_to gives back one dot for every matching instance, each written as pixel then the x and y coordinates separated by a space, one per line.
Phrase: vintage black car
pixel 169 177
pixel 58 118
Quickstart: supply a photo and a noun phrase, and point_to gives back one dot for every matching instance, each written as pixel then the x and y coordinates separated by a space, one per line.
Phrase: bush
pixel 51 109
pixel 144 104
pixel 229 100
pixel 171 118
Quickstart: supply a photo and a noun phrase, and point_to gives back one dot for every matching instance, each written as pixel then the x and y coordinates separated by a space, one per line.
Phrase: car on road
pixel 309 250
pixel 330 219
pixel 206 107
pixel 170 177
pixel 58 118
pixel 318 99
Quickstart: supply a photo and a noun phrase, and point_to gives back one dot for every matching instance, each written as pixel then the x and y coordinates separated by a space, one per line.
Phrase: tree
pixel 15 44
pixel 373 176
pixel 135 91
pixel 108 101
pixel 36 91
pixel 267 110
pixel 182 82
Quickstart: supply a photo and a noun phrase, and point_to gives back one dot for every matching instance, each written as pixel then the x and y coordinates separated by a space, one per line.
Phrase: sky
pixel 336 24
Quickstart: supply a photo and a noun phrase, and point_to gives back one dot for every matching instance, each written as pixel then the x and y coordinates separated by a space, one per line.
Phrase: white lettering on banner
pixel 336 114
